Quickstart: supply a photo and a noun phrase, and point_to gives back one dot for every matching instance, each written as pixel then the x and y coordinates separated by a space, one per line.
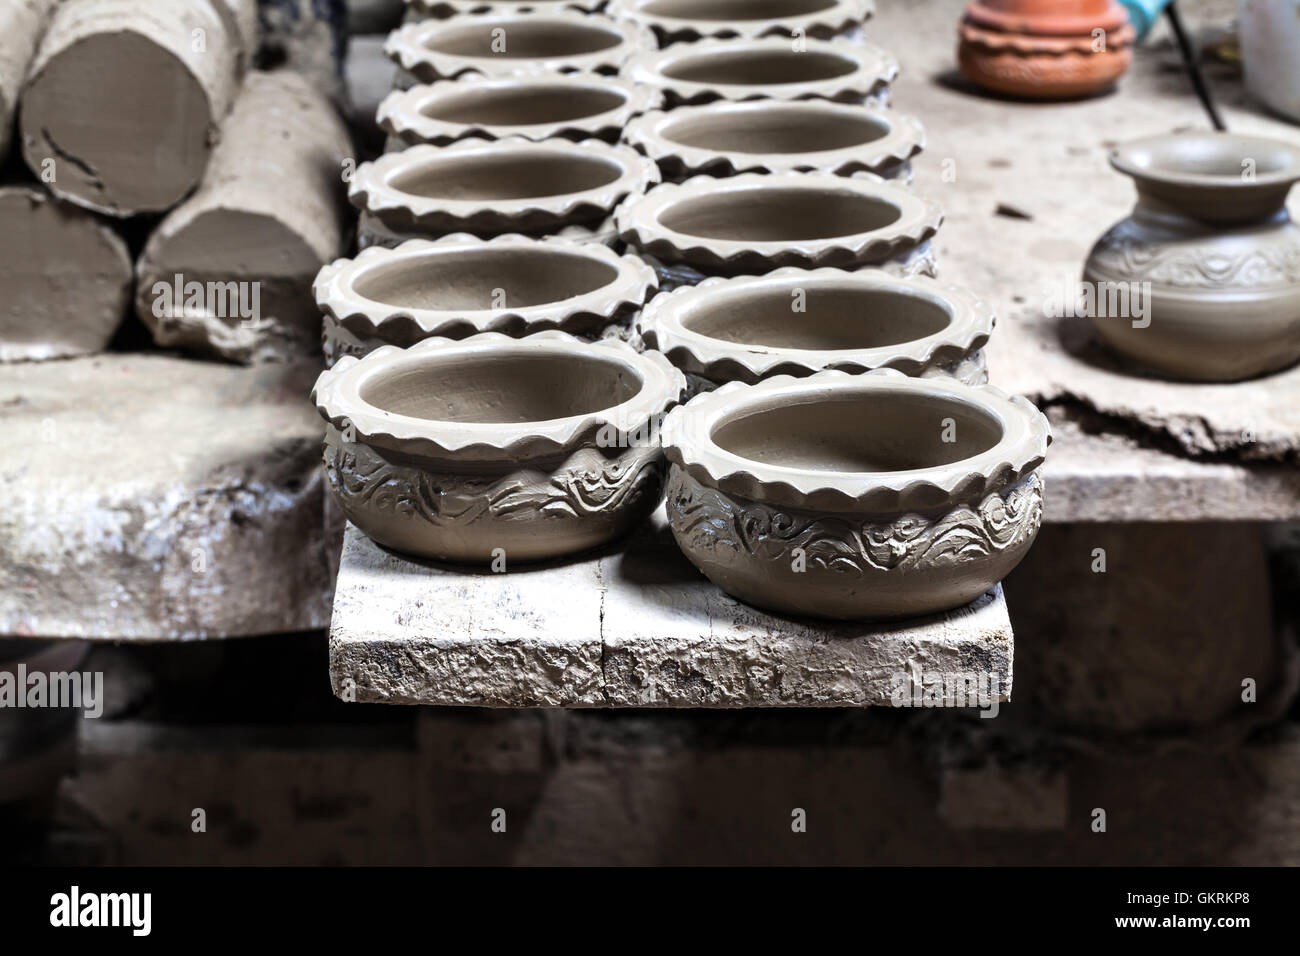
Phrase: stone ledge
pixel 634 626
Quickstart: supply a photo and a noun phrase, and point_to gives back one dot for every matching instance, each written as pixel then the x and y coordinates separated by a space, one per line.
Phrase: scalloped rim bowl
pixel 675 21
pixel 857 496
pixel 796 322
pixel 539 447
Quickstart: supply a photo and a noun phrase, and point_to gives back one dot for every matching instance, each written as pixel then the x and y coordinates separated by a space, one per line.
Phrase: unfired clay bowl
pixel 511 44
pixel 490 187
pixel 694 73
pixel 675 21
pixel 1038 49
pixel 855 496
pixel 795 322
pixel 725 138
pixel 752 224
pixel 574 106
pixel 460 285
pixel 1212 237
pixel 495 449
pixel 442 9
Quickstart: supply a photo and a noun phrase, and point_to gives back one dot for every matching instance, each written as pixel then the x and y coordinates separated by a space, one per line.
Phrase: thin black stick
pixel 1193 67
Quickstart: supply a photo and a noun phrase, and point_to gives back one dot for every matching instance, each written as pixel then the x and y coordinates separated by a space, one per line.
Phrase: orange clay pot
pixel 1045 49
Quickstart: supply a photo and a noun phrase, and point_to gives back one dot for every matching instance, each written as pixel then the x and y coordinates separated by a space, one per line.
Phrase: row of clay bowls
pixel 841 463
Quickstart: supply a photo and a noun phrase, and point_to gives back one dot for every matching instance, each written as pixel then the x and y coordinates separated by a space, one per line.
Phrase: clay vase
pixel 491 187
pixel 1212 251
pixel 855 496
pixel 724 138
pixel 678 21
pixel 495 449
pixel 576 106
pixel 692 73
pixel 1038 49
pixel 460 285
pixel 797 322
pixel 752 224
pixel 513 44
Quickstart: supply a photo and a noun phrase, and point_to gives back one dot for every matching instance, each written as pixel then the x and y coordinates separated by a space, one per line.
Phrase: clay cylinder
pixel 240 18
pixel 21 24
pixel 228 272
pixel 125 97
pixel 65 278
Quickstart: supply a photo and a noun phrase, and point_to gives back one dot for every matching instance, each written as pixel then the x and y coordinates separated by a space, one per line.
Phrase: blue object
pixel 1144 13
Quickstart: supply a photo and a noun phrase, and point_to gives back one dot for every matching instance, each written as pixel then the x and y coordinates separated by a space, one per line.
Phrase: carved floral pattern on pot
pixel 493 448
pixel 725 138
pixel 512 44
pixel 677 21
pixel 752 224
pixel 797 322
pixel 855 496
pixel 1213 253
pixel 574 106
pixel 709 70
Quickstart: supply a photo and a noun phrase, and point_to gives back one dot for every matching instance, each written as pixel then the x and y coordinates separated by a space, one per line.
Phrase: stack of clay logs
pixel 147 134
pixel 506 384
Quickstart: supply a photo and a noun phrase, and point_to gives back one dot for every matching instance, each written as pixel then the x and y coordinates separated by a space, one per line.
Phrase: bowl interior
pixel 758 67
pixel 778 214
pixel 865 431
pixel 523 105
pixel 1208 156
pixel 522 39
pixel 774 128
pixel 833 319
pixel 739 10
pixel 501 386
pixel 513 174
pixel 475 279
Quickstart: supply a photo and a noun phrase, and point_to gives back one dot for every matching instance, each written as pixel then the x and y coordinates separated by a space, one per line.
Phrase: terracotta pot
pixel 512 44
pixel 576 106
pixel 490 187
pixel 1211 235
pixel 675 21
pixel 693 73
pixel 752 224
pixel 723 138
pixel 459 285
pixel 855 496
pixel 796 322
pixel 497 449
pixel 1046 51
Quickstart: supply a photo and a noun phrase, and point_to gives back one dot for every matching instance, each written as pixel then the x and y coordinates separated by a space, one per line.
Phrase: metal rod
pixel 1193 67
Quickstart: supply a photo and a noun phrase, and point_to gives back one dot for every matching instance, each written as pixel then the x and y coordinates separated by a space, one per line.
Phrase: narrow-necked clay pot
pixel 1040 50
pixel 1211 234
pixel 490 187
pixel 796 322
pixel 576 106
pixel 511 44
pixel 497 449
pixel 442 9
pixel 752 224
pixel 708 70
pixel 855 496
pixel 675 21
pixel 725 138
pixel 459 285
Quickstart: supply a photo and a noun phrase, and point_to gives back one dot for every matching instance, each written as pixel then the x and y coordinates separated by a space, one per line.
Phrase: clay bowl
pixel 675 21
pixel 576 106
pixel 855 496
pixel 693 73
pixel 495 449
pixel 1044 51
pixel 490 187
pixel 506 44
pixel 752 224
pixel 725 138
pixel 459 285
pixel 1213 253
pixel 442 9
pixel 795 322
